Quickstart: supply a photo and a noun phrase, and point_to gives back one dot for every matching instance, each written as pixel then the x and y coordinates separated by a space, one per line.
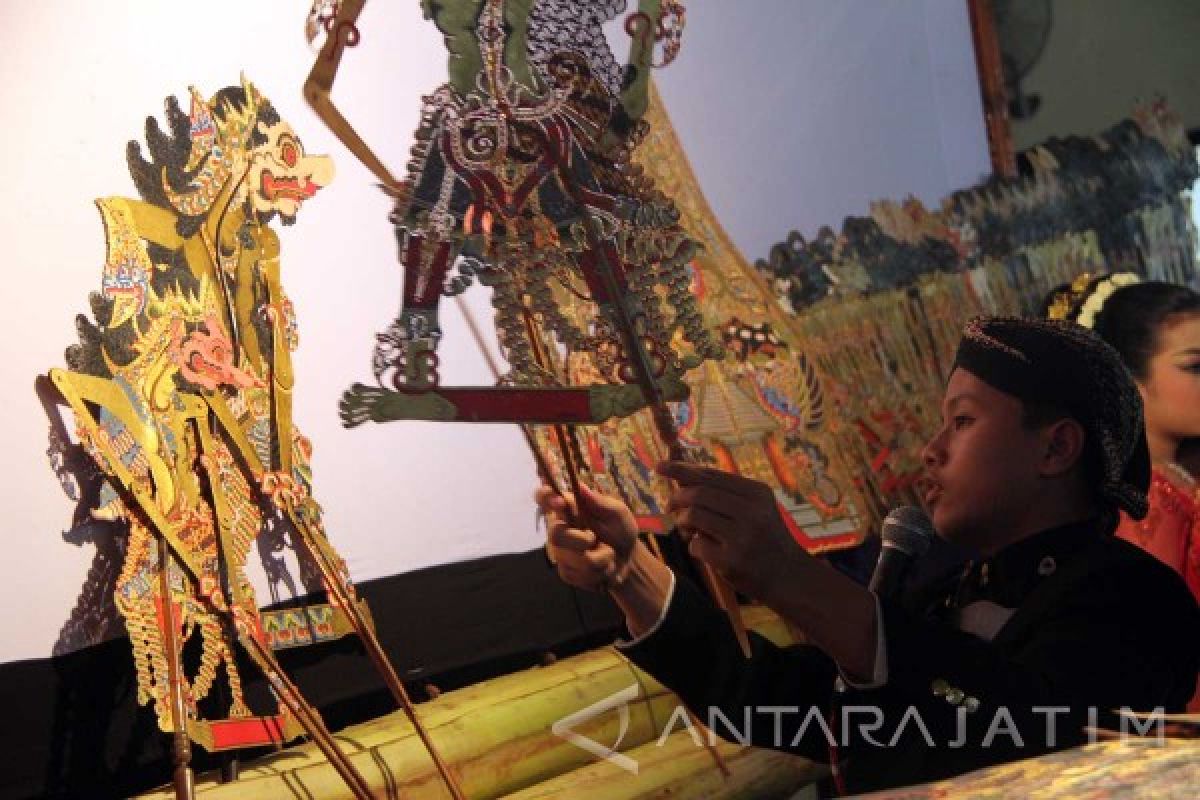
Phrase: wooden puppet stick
pixel 284 689
pixel 560 431
pixel 314 540
pixel 306 715
pixel 181 745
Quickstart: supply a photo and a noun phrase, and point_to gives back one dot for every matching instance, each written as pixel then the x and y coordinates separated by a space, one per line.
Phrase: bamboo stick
pixel 341 595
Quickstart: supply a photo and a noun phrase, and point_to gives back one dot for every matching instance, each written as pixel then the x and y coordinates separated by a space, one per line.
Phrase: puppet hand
pixel 596 553
pixel 733 524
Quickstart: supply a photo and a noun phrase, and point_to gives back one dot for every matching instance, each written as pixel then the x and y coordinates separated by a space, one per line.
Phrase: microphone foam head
pixel 907 529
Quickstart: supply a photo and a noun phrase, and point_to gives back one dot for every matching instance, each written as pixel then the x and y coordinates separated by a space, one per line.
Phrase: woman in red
pixel 1156 328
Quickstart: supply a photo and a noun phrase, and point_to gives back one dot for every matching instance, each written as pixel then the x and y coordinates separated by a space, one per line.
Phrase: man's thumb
pixel 596 505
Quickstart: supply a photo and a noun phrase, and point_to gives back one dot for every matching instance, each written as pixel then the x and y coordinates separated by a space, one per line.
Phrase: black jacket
pixel 1093 625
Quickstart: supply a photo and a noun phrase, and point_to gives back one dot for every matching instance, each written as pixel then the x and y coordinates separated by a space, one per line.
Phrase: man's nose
pixel 933 453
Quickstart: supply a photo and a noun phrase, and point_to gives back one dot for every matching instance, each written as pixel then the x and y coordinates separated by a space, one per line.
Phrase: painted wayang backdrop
pixel 776 142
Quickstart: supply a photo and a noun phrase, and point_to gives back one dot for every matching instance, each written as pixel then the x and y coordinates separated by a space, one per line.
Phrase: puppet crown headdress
pixel 215 141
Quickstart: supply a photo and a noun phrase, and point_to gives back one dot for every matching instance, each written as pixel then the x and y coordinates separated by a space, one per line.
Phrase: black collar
pixel 1008 577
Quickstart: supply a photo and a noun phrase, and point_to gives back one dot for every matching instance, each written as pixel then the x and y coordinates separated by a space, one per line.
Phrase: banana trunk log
pixel 497 737
pixel 677 767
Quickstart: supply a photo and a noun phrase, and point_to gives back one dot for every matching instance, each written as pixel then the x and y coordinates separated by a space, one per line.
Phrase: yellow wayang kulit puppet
pixel 182 394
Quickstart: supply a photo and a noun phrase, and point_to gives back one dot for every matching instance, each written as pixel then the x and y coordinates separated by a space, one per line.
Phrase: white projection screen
pixel 795 113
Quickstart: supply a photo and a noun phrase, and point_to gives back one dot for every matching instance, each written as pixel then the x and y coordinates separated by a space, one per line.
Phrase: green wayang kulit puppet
pixel 521 178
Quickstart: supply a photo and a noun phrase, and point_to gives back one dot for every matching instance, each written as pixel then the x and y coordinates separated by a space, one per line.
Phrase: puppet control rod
pixel 664 421
pixel 635 351
pixel 639 359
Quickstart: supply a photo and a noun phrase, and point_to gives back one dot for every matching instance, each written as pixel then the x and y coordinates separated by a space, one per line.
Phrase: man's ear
pixel 1064 441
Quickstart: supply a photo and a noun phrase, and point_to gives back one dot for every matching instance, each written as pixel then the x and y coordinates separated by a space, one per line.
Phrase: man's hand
pixel 604 553
pixel 733 524
pixel 597 554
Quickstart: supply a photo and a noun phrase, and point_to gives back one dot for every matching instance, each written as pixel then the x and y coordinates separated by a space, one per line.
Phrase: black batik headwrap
pixel 1064 365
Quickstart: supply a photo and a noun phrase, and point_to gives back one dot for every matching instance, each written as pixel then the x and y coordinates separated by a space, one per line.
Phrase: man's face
pixel 982 464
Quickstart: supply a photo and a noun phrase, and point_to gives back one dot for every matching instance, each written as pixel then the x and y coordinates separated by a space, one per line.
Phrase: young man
pixel 1056 626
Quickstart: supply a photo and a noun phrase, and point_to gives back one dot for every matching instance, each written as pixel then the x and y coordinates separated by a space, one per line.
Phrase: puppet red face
pixel 281 175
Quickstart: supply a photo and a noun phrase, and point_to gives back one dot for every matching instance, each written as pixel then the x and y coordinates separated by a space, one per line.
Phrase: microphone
pixel 906 534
